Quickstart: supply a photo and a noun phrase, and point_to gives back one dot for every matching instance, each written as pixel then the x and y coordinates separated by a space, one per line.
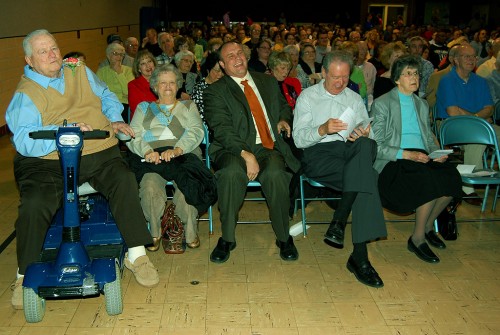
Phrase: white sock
pixel 136 252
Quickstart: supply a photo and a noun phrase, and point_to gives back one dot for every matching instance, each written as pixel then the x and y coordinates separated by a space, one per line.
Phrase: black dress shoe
pixel 434 240
pixel 334 236
pixel 222 251
pixel 423 252
pixel 365 273
pixel 288 252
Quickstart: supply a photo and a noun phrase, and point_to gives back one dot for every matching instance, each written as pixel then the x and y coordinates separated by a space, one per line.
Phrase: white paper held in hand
pixel 440 153
pixel 349 117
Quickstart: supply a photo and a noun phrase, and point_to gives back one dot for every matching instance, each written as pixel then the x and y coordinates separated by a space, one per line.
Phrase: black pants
pixel 40 183
pixel 232 183
pixel 349 167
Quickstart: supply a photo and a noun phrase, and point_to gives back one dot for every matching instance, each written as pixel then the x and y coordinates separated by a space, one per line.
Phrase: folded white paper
pixel 296 229
pixel 463 168
pixel 349 117
pixel 481 173
pixel 440 153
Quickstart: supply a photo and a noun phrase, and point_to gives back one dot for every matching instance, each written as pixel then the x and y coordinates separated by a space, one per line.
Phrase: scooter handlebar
pixel 43 134
pixel 51 134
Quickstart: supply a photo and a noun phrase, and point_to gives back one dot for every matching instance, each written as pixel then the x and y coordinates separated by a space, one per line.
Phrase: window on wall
pixel 390 14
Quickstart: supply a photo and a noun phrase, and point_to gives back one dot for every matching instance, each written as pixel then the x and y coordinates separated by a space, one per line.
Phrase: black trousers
pixel 40 183
pixel 232 183
pixel 348 166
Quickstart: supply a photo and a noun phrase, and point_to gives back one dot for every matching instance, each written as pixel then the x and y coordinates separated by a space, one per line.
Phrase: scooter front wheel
pixel 113 294
pixel 34 305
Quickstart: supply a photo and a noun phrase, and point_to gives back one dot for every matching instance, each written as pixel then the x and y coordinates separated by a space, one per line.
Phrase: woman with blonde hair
pixel 388 55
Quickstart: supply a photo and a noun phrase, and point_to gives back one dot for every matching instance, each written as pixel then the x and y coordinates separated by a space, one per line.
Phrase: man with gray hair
pixel 341 159
pixel 131 46
pixel 416 48
pixel 50 92
pixel 166 41
pixel 488 66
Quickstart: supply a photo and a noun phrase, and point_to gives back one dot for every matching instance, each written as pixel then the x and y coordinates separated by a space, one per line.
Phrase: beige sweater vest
pixel 77 104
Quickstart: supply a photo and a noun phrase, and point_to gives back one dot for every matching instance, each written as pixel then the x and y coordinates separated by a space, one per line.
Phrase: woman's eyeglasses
pixel 410 74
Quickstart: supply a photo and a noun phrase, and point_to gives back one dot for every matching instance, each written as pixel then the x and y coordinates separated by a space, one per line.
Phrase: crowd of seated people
pixel 194 57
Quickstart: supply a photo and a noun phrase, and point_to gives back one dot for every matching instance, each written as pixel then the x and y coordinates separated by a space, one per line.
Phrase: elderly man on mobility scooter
pixel 49 92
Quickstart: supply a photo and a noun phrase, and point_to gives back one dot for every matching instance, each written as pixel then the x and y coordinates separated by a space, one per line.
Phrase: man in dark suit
pixel 248 146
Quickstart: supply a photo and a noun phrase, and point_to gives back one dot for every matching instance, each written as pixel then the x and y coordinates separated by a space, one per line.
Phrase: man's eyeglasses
pixel 116 53
pixel 410 74
pixel 469 57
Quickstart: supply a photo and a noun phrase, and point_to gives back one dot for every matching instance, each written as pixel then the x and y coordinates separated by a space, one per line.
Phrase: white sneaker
pixel 17 293
pixel 144 271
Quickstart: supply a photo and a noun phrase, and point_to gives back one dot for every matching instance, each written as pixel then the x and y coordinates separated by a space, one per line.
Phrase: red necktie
pixel 258 115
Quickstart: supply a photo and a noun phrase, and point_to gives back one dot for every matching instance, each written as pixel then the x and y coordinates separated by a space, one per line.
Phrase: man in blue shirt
pixel 462 92
pixel 49 93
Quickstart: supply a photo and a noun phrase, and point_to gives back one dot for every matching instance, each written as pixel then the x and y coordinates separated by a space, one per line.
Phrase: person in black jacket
pixel 248 146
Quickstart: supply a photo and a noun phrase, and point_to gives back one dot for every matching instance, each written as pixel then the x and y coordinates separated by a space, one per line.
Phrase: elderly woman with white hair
pixel 184 60
pixel 116 75
pixel 167 137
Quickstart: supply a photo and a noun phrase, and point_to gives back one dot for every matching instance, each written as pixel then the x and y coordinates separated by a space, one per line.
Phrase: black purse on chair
pixel 447 222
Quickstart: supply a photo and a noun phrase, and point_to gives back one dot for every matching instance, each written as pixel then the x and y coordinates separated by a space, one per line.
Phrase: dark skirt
pixel 405 185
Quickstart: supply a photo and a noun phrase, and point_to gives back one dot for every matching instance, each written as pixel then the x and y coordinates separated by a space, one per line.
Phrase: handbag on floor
pixel 172 231
pixel 447 222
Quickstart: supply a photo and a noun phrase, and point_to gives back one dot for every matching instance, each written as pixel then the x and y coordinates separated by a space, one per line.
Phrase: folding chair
pixel 206 144
pixel 206 158
pixel 253 184
pixel 303 199
pixel 496 113
pixel 474 130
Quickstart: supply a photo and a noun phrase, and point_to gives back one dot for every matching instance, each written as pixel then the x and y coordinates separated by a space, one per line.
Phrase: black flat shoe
pixel 222 251
pixel 288 251
pixel 423 252
pixel 334 236
pixel 434 240
pixel 365 273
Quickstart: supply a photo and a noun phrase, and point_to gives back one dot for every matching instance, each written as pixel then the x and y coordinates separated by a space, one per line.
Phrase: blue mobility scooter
pixel 83 253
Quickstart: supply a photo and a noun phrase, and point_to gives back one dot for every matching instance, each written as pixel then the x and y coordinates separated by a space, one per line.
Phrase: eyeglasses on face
pixel 145 62
pixel 469 57
pixel 116 53
pixel 408 74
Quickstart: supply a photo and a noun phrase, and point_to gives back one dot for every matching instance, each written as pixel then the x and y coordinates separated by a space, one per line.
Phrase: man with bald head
pixel 462 92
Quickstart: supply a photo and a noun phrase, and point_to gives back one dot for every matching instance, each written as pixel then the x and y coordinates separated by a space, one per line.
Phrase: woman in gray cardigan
pixel 409 179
